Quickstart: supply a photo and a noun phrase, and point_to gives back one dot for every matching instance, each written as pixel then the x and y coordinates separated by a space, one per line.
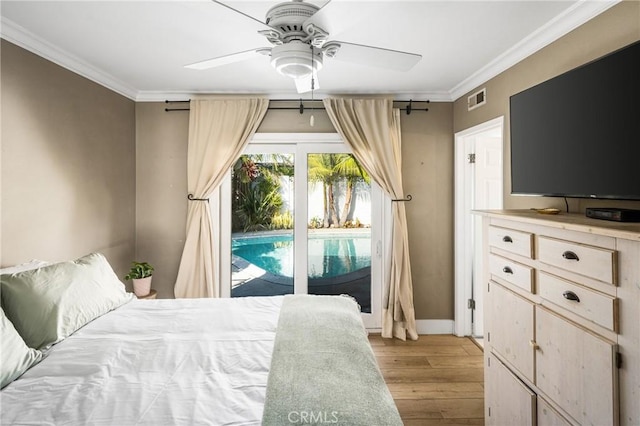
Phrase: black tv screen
pixel 578 134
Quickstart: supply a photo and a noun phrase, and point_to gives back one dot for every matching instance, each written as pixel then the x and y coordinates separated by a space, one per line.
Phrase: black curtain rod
pixel 408 109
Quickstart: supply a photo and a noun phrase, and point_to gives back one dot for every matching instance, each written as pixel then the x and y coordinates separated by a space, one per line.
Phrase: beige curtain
pixel 371 127
pixel 219 130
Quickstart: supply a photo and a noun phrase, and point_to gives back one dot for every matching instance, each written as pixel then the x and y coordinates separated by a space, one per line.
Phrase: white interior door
pixel 478 186
pixel 487 184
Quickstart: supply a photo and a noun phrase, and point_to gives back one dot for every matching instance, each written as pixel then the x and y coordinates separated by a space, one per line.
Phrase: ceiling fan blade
pixel 266 27
pixel 303 85
pixel 226 59
pixel 372 56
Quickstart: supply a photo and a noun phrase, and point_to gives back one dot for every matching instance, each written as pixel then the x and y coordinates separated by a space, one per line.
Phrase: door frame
pixel 379 216
pixel 464 144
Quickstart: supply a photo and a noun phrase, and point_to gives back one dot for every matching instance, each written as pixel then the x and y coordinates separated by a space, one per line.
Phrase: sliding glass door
pixel 304 218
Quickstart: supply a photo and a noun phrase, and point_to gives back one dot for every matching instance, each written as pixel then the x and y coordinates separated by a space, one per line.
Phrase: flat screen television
pixel 578 134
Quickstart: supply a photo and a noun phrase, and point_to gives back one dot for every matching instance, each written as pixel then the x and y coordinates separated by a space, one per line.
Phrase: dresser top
pixel 569 221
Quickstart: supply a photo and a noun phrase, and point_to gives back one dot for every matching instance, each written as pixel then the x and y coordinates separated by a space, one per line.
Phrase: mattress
pixel 154 362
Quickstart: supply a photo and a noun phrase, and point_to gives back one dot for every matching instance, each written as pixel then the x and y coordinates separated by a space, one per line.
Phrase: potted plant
pixel 141 274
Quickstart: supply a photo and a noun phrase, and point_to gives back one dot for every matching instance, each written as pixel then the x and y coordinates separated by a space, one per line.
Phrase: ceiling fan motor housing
pixel 289 17
pixel 295 59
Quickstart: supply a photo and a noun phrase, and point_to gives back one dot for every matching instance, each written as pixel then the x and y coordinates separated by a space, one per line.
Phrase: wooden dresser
pixel 562 319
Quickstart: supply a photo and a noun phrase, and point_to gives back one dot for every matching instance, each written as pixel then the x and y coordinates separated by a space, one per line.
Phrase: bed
pixel 111 359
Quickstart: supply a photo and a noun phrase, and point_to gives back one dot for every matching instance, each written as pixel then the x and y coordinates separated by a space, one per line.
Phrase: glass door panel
pixel 339 227
pixel 262 243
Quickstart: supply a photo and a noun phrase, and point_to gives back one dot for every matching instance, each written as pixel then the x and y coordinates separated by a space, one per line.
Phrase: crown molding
pixel 159 96
pixel 570 19
pixel 20 36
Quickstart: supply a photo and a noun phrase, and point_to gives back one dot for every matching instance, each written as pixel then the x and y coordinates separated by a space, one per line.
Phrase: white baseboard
pixel 427 327
pixel 434 326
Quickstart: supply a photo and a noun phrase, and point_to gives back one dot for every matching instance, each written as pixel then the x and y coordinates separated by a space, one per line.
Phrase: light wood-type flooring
pixel 436 380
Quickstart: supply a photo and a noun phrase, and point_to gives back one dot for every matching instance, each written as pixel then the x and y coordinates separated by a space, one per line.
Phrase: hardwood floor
pixel 436 380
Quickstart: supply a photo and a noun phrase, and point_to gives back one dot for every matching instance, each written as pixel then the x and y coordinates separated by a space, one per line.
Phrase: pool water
pixel 329 255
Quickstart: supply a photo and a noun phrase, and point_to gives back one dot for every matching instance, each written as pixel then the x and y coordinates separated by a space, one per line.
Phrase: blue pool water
pixel 329 254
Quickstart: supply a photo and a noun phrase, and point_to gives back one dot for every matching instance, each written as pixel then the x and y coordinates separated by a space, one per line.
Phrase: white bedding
pixel 154 362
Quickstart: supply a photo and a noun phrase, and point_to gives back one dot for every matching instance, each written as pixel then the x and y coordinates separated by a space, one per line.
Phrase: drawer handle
pixel 569 255
pixel 569 295
pixel 507 270
pixel 507 239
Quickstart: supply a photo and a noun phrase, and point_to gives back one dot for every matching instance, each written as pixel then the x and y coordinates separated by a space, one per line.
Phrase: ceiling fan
pixel 300 45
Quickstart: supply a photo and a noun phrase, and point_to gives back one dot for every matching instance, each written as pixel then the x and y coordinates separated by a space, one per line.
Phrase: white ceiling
pixel 139 48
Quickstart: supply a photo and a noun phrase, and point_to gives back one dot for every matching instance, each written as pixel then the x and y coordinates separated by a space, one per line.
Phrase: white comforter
pixel 154 362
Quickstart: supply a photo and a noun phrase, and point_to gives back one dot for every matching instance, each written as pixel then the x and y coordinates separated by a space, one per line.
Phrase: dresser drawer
pixel 510 240
pixel 592 305
pixel 590 261
pixel 513 272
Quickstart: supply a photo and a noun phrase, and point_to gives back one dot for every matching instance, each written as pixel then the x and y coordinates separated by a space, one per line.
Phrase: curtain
pixel 371 127
pixel 219 130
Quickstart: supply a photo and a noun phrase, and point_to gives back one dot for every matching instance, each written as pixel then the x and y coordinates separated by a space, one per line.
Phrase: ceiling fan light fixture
pixel 292 59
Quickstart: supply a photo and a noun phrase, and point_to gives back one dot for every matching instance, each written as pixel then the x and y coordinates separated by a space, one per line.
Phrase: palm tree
pixel 321 168
pixel 329 169
pixel 256 188
pixel 349 168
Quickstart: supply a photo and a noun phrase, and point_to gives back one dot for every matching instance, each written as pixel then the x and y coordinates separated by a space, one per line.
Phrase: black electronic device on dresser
pixel 614 214
pixel 578 134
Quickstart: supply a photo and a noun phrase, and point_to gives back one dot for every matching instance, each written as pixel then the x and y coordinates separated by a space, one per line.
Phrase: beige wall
pixel 161 189
pixel 427 149
pixel 615 28
pixel 427 172
pixel 68 164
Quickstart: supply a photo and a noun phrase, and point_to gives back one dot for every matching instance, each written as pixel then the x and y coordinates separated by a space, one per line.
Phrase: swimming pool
pixel 330 254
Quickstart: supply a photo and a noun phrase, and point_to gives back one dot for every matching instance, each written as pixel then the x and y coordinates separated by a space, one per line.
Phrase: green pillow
pixel 15 356
pixel 49 303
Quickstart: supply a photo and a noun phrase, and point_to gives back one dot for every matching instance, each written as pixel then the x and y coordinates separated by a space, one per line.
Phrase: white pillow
pixel 15 356
pixel 32 264
pixel 49 303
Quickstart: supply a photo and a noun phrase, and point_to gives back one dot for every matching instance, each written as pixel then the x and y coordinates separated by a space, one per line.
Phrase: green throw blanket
pixel 323 370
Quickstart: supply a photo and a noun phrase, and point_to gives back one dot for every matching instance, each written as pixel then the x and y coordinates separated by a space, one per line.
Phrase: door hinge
pixel 618 360
pixel 471 158
pixel 471 304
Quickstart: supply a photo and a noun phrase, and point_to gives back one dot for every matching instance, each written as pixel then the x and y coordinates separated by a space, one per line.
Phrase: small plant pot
pixel 142 286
